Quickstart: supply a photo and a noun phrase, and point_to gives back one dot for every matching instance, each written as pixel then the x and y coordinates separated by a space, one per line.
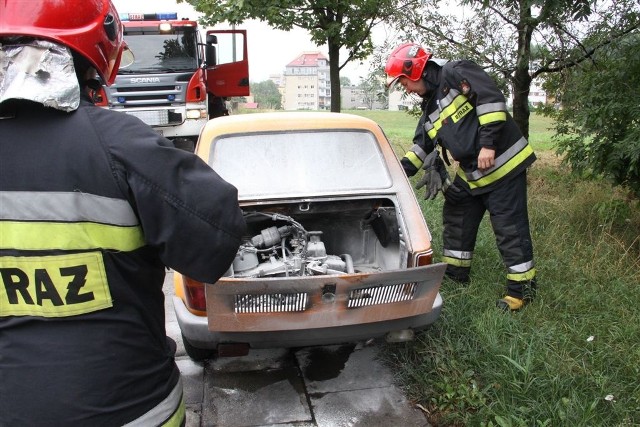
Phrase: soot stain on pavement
pixel 327 363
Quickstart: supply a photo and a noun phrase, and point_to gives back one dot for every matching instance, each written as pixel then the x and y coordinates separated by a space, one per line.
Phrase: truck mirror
pixel 210 55
pixel 210 50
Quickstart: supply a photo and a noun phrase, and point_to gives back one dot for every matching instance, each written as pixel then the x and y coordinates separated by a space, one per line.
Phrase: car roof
pixel 294 120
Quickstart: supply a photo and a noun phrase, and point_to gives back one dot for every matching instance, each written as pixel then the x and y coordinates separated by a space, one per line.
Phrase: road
pixel 332 386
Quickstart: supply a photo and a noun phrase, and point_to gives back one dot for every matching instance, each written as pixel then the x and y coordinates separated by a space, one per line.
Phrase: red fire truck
pixel 177 82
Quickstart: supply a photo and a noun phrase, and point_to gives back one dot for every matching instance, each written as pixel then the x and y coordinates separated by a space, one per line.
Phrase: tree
pixel 339 24
pixel 520 40
pixel 266 94
pixel 599 123
pixel 374 90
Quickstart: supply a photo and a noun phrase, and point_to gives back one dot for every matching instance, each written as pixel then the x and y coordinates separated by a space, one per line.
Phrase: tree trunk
pixel 522 79
pixel 521 86
pixel 334 74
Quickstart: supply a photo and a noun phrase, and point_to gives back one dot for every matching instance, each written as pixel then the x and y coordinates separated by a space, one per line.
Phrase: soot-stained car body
pixel 337 248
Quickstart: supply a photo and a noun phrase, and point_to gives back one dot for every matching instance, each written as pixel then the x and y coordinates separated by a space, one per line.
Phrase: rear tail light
pixel 422 258
pixel 194 295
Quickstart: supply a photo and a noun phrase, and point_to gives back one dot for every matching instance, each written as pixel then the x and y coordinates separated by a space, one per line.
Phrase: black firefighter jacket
pixel 465 113
pixel 93 205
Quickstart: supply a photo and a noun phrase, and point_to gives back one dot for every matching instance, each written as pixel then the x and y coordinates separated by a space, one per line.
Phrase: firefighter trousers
pixel 507 207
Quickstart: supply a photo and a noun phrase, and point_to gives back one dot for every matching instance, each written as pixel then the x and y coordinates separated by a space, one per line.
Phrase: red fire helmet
pixel 91 28
pixel 406 60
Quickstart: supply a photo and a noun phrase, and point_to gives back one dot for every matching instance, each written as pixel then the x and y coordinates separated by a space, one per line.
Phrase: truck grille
pixel 383 294
pixel 270 303
pixel 152 117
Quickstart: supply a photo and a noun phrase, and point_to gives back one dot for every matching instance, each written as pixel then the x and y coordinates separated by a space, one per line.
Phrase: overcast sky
pixel 269 50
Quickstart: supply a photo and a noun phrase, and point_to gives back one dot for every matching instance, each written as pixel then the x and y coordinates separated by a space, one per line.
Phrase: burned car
pixel 337 248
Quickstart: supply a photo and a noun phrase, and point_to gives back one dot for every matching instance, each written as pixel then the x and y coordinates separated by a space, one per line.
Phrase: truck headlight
pixel 197 114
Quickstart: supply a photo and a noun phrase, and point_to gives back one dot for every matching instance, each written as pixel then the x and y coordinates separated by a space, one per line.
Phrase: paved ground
pixel 334 386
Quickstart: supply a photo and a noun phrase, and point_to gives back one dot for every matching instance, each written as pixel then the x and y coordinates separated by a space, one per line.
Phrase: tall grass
pixel 572 357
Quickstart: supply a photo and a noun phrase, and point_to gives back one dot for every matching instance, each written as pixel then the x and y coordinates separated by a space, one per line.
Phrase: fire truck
pixel 177 82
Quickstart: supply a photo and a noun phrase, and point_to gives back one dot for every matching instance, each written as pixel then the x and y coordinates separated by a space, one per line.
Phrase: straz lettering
pixel 17 283
pixel 54 286
pixel 462 111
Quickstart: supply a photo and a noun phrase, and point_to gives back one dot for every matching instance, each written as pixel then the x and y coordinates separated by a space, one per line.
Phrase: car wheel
pixel 195 353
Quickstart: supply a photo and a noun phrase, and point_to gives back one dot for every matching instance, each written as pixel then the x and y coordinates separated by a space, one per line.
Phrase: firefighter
pixel 93 205
pixel 465 114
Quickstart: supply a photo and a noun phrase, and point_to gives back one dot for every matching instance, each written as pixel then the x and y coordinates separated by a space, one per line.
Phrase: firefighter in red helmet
pixel 465 114
pixel 93 205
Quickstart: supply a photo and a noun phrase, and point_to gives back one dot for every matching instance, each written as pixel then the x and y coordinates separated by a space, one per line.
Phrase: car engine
pixel 285 251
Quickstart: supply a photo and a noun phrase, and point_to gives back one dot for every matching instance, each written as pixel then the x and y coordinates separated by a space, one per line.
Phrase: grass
pixel 571 358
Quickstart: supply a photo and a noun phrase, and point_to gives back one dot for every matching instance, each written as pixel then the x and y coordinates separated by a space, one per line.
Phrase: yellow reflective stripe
pixel 457 262
pixel 465 109
pixel 450 110
pixel 177 417
pixel 68 236
pixel 502 171
pixel 499 116
pixel 53 286
pixel 434 132
pixel 522 277
pixel 415 160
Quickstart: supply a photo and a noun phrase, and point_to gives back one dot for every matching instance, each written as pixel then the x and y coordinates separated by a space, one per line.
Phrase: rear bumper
pixel 196 330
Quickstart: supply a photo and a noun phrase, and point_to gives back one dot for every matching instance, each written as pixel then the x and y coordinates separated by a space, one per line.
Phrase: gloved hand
pixel 454 194
pixel 435 176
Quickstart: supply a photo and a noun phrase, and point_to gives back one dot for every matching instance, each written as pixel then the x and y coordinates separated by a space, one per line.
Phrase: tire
pixel 197 354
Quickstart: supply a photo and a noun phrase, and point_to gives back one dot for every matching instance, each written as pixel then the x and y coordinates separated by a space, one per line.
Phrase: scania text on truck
pixel 176 82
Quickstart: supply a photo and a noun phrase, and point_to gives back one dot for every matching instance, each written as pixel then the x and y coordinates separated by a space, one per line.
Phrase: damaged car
pixel 337 249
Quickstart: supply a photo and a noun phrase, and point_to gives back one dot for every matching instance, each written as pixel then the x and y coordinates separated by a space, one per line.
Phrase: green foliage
pixel 599 124
pixel 519 41
pixel 267 95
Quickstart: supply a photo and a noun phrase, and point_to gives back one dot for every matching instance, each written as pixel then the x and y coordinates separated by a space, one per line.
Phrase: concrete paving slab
pixel 273 396
pixel 256 360
pixel 192 374
pixel 342 368
pixel 193 415
pixel 378 407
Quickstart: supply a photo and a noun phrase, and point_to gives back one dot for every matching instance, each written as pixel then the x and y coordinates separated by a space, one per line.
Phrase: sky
pixel 270 50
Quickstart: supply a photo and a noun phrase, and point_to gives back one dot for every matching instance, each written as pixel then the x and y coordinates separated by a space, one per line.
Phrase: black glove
pixel 435 176
pixel 454 194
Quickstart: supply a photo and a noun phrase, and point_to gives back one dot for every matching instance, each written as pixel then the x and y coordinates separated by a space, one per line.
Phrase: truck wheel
pixel 195 353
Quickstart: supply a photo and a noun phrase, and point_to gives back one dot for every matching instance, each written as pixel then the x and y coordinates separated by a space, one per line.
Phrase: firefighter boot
pixel 518 295
pixel 459 275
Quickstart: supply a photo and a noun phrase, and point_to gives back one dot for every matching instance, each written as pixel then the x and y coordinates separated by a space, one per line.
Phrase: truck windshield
pixel 162 53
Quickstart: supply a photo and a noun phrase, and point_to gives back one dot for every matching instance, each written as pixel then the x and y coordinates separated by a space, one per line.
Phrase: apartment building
pixel 306 84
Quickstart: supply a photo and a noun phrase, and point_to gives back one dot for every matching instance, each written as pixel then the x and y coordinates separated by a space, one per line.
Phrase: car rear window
pixel 300 163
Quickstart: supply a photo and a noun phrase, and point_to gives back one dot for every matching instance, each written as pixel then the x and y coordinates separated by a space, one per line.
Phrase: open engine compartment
pixel 308 238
